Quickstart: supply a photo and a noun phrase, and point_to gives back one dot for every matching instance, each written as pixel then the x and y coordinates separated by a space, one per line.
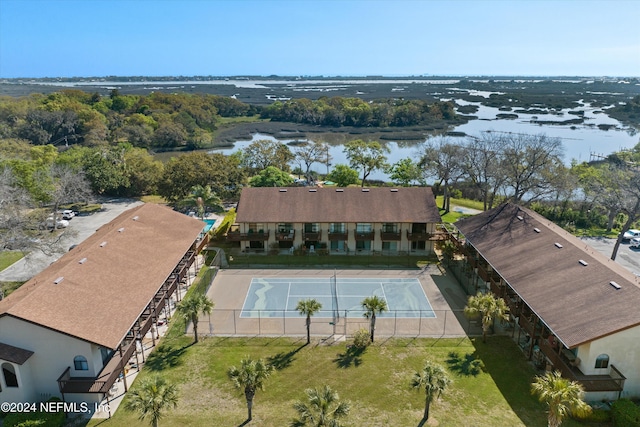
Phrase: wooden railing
pixel 389 235
pixel 369 235
pixel 236 236
pixel 418 236
pixel 338 235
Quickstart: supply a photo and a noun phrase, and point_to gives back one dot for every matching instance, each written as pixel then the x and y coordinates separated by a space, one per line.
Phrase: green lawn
pixel 9 257
pixel 376 382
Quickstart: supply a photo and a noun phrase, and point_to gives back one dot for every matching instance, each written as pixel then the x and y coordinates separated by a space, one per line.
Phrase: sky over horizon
pixel 94 38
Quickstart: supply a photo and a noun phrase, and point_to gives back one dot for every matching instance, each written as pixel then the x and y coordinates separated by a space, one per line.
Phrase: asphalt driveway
pixel 79 229
pixel 627 257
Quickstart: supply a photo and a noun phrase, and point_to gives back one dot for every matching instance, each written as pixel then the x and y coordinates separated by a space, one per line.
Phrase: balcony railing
pixel 236 236
pixel 285 236
pixel 614 381
pixel 312 236
pixel 389 235
pixel 363 235
pixel 338 235
pixel 418 236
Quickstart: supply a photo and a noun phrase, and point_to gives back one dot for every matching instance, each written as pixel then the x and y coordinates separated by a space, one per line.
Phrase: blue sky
pixel 63 38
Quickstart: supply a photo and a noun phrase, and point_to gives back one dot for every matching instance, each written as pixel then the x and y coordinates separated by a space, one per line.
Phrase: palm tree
pixel 323 409
pixel 434 380
pixel 373 305
pixel 489 307
pixel 202 197
pixel 191 307
pixel 562 396
pixel 151 397
pixel 250 377
pixel 308 308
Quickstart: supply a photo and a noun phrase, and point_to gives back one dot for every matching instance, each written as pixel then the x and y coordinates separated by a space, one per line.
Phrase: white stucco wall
pixel 623 349
pixel 53 353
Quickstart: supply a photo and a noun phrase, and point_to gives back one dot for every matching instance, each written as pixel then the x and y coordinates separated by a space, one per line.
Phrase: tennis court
pixel 339 296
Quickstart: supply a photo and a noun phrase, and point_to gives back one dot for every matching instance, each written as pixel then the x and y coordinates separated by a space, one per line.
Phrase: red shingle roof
pixel 100 298
pixel 575 301
pixel 300 204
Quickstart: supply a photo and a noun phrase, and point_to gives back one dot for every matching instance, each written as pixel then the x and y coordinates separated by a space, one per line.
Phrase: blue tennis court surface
pixel 278 297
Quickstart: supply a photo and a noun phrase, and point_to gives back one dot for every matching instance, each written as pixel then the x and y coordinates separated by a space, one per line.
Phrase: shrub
pixel 362 338
pixel 625 413
pixel 596 416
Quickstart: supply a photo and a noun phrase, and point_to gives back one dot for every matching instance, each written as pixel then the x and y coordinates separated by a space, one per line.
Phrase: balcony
pixel 614 381
pixel 338 235
pixel 312 236
pixel 236 236
pixel 389 235
pixel 367 235
pixel 285 235
pixel 420 236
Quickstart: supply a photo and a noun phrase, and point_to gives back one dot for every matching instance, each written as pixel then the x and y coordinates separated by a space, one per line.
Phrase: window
pixel 80 363
pixel 256 227
pixel 285 227
pixel 363 227
pixel 10 377
pixel 311 227
pixel 390 246
pixel 389 227
pixel 602 361
pixel 337 227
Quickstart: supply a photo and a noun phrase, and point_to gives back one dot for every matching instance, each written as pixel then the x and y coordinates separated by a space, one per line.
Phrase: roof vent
pixel 615 285
pixel 537 230
pixel 283 190
pixel 58 280
pixel 339 190
pixel 120 230
pixel 558 245
pixel 394 190
pixel 583 262
pixel 520 217
pixel 365 190
pixel 135 218
pixel 312 190
pixel 103 244
pixel 82 261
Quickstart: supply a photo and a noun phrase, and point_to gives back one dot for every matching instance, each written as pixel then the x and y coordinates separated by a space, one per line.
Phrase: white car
pixel 67 214
pixel 630 234
pixel 635 243
pixel 61 223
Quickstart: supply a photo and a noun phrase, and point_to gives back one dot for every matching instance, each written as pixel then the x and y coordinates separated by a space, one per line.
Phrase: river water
pixel 580 141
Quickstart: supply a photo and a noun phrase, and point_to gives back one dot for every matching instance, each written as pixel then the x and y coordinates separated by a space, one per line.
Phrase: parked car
pixel 635 242
pixel 67 214
pixel 61 223
pixel 630 234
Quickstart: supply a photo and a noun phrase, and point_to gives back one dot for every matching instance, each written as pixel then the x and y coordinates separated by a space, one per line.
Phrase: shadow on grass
pixel 283 360
pixel 468 365
pixel 513 376
pixel 166 356
pixel 351 357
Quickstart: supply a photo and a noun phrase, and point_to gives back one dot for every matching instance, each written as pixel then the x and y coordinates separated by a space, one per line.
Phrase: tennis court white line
pixel 286 304
pixel 384 295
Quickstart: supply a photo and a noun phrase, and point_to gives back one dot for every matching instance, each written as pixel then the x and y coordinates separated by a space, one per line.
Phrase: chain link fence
pixel 445 323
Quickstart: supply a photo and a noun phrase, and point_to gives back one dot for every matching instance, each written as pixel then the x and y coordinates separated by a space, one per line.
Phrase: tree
pixel 444 160
pixel 183 172
pixel 343 176
pixel 372 306
pixel 404 172
pixel 151 398
pixel 368 156
pixel 310 153
pixel 202 198
pixel 323 409
pixel 250 377
pixel 308 308
pixel 263 153
pixel 481 164
pixel 434 380
pixel 562 396
pixel 191 307
pixel 489 308
pixel 271 177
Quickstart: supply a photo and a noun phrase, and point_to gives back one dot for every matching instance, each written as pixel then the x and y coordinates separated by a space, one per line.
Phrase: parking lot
pixel 627 257
pixel 80 227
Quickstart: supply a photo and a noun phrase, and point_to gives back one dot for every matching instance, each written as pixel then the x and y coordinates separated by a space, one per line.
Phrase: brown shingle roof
pixel 576 302
pixel 14 354
pixel 299 204
pixel 100 299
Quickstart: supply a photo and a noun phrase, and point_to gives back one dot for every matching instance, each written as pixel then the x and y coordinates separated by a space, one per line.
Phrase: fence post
pixel 395 322
pixel 235 328
pixel 420 324
pixel 444 329
pixel 284 322
pixel 259 323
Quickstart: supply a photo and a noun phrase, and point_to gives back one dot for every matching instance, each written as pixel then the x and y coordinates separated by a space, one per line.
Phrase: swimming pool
pixel 208 224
